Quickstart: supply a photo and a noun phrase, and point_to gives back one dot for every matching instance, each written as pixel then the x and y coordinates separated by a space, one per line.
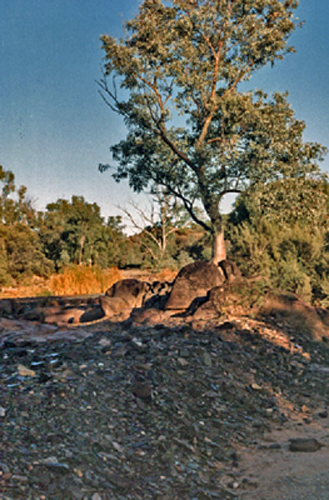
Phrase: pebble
pixel 2 412
pixel 105 342
pixel 305 445
pixel 23 371
pixel 207 359
pixel 19 478
pixel 118 447
pixel 256 387
pixel 142 390
pixel 96 496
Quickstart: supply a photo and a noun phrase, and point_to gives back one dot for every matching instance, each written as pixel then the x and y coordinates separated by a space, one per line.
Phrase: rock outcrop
pixel 193 281
pixel 125 294
pixel 143 301
pixel 201 293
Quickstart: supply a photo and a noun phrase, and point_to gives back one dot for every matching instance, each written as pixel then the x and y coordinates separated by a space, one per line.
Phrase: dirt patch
pixel 273 471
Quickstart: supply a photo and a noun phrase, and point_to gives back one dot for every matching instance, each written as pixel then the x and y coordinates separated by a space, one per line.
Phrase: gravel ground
pixel 164 412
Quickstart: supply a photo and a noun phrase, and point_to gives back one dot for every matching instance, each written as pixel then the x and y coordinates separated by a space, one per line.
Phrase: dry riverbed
pixel 117 411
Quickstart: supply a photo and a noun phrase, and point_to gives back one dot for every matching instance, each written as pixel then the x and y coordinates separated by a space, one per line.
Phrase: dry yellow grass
pixel 167 275
pixel 37 287
pixel 80 280
pixel 73 280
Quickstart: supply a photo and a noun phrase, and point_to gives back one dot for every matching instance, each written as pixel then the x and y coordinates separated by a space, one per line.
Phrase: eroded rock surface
pixel 192 281
pixel 201 293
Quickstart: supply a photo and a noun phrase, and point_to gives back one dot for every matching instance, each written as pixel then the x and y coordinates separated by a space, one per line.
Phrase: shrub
pixel 293 259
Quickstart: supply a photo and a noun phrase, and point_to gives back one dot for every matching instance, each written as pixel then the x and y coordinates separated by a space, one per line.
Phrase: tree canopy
pixel 176 81
pixel 15 206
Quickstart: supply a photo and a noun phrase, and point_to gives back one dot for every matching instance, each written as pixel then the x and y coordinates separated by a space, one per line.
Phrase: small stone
pixel 274 446
pixel 137 343
pixel 105 342
pixel 19 478
pixel 182 361
pixel 207 359
pixel 142 390
pixel 2 412
pixel 4 467
pixel 96 496
pixel 323 414
pixel 184 353
pixel 256 387
pixel 5 473
pixel 25 372
pixel 118 447
pixel 304 445
pixel 50 460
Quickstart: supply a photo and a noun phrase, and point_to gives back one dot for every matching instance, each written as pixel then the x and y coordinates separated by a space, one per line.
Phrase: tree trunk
pixel 82 242
pixel 218 247
pixel 217 231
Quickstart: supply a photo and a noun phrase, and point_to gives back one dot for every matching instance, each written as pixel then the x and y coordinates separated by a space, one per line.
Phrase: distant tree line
pixel 39 243
pixel 280 233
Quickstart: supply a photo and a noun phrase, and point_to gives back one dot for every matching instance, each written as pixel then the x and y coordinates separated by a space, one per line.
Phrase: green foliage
pixel 324 292
pixel 75 232
pixel 23 255
pixel 15 207
pixel 286 202
pixel 5 278
pixel 293 258
pixel 190 127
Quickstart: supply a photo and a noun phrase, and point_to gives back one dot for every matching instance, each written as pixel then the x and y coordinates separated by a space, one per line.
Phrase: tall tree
pixel 190 127
pixel 156 224
pixel 71 231
pixel 15 206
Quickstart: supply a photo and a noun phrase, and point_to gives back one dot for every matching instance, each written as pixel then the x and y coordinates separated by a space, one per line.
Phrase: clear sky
pixel 54 127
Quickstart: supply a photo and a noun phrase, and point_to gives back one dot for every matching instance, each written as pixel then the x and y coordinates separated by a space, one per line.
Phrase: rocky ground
pixel 178 410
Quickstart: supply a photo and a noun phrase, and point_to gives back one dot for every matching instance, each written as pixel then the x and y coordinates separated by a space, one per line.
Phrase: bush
pixel 22 255
pixel 293 259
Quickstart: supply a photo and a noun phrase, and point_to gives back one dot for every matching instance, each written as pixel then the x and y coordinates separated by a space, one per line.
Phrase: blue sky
pixel 54 127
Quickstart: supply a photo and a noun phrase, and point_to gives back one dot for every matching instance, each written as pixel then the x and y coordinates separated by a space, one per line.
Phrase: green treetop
pixel 176 79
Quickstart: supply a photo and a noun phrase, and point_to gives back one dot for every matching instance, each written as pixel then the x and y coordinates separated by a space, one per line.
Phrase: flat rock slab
pixel 18 332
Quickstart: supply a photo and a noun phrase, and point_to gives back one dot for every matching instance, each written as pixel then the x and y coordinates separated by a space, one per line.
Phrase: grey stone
pixel 304 445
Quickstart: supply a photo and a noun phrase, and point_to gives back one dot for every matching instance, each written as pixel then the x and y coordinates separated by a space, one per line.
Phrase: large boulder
pixel 157 295
pixel 193 281
pixel 125 294
pixel 232 299
pixel 230 269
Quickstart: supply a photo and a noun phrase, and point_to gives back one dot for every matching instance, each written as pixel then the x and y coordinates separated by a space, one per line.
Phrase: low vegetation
pixel 69 249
